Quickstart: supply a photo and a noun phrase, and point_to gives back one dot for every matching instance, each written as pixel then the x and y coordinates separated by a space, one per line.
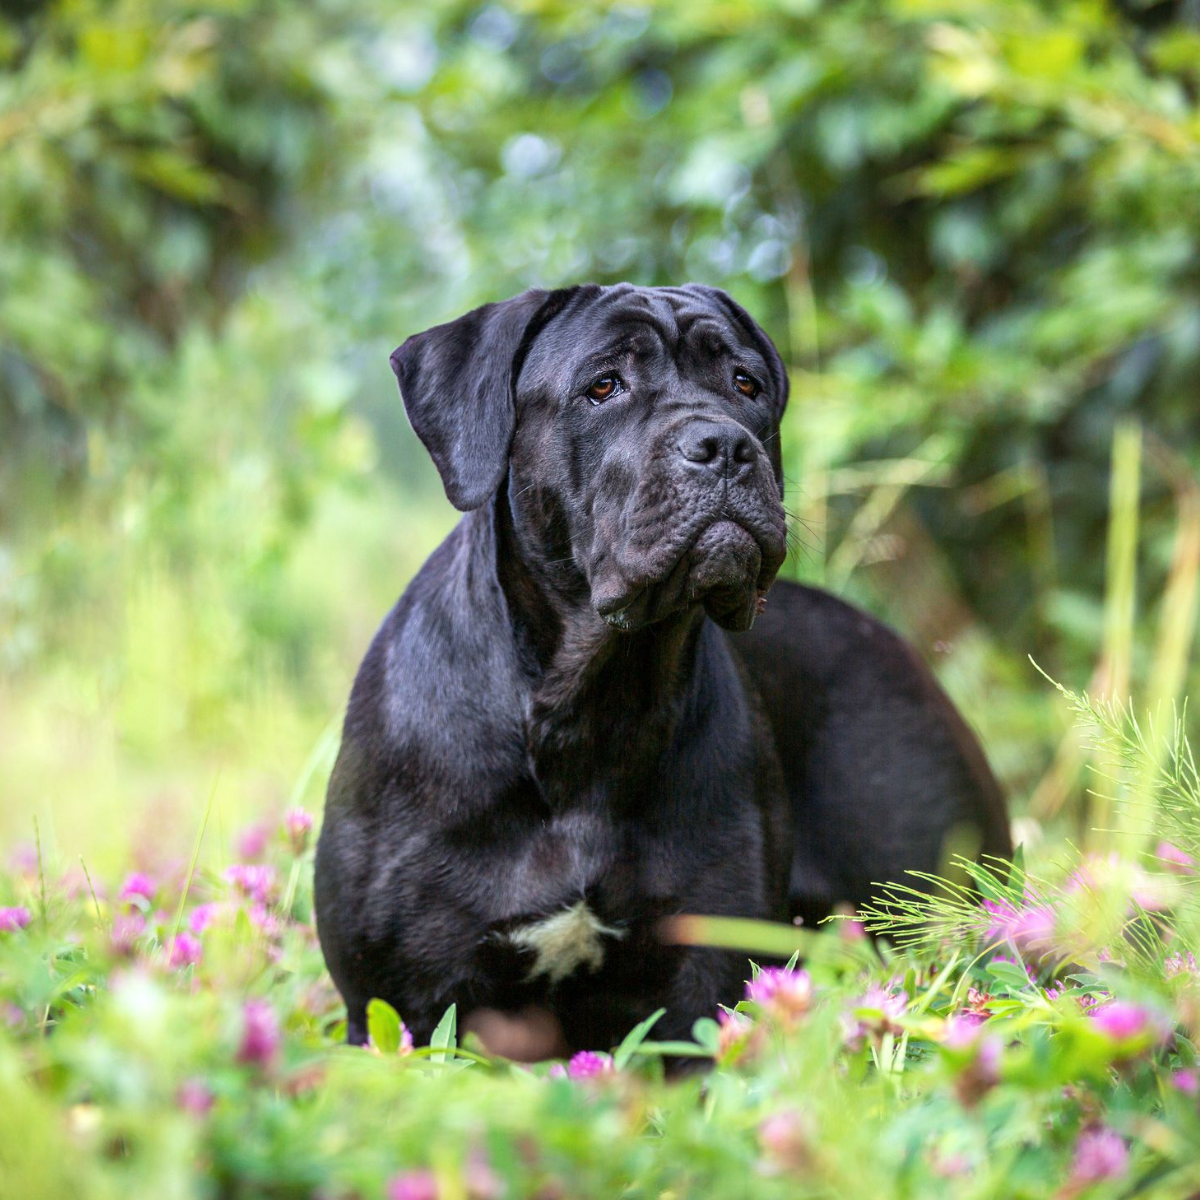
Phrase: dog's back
pixel 883 774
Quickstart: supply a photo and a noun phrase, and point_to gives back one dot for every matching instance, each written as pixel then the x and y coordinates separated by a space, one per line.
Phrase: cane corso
pixel 583 716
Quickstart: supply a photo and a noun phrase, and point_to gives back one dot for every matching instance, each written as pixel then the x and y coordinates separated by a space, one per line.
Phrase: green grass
pixel 960 1054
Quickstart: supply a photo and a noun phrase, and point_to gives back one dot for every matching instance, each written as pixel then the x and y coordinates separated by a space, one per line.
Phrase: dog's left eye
pixel 746 384
pixel 604 388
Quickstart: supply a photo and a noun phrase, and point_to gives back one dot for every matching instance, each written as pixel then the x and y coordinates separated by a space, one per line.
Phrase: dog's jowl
pixel 580 719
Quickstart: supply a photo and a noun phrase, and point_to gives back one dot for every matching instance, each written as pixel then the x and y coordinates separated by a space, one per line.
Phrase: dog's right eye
pixel 604 388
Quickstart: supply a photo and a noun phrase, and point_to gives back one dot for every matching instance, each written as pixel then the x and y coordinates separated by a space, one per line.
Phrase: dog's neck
pixel 594 692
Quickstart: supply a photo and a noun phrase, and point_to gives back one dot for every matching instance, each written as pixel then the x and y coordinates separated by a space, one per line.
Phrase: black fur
pixel 569 702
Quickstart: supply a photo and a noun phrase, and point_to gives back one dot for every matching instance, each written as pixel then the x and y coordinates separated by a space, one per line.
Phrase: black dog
pixel 553 743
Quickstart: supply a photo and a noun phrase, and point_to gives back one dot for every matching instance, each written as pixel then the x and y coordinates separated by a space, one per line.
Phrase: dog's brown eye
pixel 746 384
pixel 603 389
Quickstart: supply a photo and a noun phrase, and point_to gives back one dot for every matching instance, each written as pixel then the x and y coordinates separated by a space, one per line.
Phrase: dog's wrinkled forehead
pixel 655 326
pixel 463 382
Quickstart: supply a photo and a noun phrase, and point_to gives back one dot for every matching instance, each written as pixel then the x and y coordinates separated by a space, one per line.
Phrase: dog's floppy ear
pixel 752 329
pixel 457 381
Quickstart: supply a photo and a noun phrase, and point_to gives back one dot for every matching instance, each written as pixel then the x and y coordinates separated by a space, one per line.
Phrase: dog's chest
pixel 570 940
pixel 575 893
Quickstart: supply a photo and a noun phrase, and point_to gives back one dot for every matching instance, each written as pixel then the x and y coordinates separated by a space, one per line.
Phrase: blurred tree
pixel 975 223
pixel 153 157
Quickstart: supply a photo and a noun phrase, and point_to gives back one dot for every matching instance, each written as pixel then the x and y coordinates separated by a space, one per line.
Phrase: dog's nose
pixel 721 446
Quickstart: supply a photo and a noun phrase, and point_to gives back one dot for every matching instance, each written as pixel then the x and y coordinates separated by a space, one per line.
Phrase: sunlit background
pixel 972 228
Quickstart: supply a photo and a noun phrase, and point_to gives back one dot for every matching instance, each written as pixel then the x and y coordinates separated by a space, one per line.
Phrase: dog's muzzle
pixel 733 536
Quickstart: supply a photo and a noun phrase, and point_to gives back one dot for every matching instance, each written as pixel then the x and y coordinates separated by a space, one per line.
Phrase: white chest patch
pixel 563 943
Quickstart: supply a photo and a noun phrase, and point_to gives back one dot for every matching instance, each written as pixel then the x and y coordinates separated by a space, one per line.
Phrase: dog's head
pixel 637 429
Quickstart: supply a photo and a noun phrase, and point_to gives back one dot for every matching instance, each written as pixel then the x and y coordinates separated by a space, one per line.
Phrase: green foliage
pixel 135 1061
pixel 383 1026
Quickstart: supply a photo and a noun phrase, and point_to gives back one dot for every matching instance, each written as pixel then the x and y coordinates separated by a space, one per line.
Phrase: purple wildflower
pixel 298 825
pixel 24 859
pixel 1110 873
pixel 406 1046
pixel 1175 859
pixel 1090 1000
pixel 588 1064
pixel 975 1054
pixel 412 1185
pixel 786 1138
pixel 138 888
pixel 1180 963
pixel 892 1005
pixel 987 1061
pixel 875 1014
pixel 202 916
pixel 127 927
pixel 73 885
pixel 961 1030
pixel 785 993
pixel 252 841
pixel 976 1007
pixel 12 919
pixel 1100 1153
pixel 1089 876
pixel 969 1019
pixel 947 1166
pixel 482 1183
pixel 185 950
pixel 262 918
pixel 1186 1081
pixel 1149 895
pixel 194 1098
pixel 260 1033
pixel 1122 1021
pixel 734 1034
pixel 1027 927
pixel 255 880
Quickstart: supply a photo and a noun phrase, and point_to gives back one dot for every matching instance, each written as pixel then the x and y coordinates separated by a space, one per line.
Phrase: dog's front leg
pixel 707 979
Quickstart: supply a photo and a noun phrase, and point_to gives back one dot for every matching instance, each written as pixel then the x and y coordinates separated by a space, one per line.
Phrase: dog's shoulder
pixel 439 685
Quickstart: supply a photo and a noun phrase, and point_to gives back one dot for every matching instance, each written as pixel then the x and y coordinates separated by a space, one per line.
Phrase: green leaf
pixel 176 175
pixel 922 1003
pixel 444 1036
pixel 383 1026
pixel 1016 877
pixel 707 1033
pixel 1012 976
pixel 634 1038
pixel 675 1049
